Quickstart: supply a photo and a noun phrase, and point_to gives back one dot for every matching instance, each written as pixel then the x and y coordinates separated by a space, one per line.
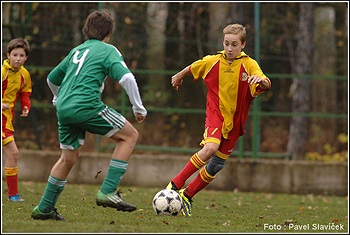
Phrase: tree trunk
pixel 299 128
pixel 324 64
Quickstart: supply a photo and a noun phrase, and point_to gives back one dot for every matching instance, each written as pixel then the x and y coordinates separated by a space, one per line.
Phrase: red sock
pixel 12 180
pixel 191 167
pixel 197 184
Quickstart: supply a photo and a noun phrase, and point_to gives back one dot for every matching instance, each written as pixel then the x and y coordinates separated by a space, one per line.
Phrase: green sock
pixel 53 190
pixel 116 170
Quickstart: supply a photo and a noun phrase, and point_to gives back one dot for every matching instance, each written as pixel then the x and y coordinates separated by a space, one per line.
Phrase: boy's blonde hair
pixel 235 29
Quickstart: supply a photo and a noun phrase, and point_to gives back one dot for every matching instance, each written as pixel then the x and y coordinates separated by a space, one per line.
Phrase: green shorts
pixel 106 122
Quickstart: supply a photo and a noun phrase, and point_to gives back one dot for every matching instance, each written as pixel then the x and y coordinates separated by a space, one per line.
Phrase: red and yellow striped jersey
pixel 229 94
pixel 15 85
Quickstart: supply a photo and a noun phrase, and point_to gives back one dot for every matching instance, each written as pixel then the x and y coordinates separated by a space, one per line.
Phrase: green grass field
pixel 213 212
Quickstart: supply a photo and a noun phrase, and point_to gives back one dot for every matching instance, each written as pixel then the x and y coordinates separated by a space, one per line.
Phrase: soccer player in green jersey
pixel 76 83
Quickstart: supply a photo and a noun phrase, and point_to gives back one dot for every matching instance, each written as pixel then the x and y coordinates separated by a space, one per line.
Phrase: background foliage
pixel 158 39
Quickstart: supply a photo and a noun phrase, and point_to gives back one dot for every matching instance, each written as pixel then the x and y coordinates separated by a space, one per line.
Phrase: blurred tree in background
pixel 158 39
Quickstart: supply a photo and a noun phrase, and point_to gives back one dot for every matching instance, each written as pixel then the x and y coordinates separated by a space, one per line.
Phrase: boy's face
pixel 17 58
pixel 232 45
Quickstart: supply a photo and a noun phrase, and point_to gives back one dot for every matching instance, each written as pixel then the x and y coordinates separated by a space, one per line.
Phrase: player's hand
pixel 263 82
pixel 4 106
pixel 254 79
pixel 139 117
pixel 25 111
pixel 176 81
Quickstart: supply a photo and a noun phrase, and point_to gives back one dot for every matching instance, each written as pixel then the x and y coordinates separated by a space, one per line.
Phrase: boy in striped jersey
pixel 16 85
pixel 76 83
pixel 233 80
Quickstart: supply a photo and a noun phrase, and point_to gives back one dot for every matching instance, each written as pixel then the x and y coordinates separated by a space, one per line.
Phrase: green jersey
pixel 80 77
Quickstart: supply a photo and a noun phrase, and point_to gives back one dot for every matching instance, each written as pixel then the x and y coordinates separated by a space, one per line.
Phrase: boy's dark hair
pixel 18 43
pixel 98 25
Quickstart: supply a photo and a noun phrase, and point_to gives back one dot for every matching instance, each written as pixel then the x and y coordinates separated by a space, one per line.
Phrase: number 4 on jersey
pixel 79 61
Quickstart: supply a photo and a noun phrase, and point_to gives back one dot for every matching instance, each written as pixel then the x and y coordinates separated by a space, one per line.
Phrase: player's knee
pixel 128 134
pixel 134 135
pixel 69 162
pixel 215 165
pixel 131 137
pixel 12 153
pixel 210 149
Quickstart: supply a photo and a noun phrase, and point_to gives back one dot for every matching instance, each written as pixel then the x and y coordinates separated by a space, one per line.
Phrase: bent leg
pixel 215 164
pixel 197 161
pixel 126 139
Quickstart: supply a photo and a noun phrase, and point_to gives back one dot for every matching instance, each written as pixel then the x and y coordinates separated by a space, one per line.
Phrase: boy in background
pixel 16 85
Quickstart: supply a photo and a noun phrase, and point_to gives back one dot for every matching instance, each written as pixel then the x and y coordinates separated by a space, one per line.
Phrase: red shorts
pixel 7 127
pixel 214 135
pixel 7 136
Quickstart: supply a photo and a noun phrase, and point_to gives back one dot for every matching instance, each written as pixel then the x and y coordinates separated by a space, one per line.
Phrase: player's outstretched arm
pixel 177 79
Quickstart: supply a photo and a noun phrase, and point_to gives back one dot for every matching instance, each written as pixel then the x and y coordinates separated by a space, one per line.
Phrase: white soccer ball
pixel 167 202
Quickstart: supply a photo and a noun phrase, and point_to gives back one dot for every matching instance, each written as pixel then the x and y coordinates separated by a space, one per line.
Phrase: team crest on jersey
pixel 244 76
